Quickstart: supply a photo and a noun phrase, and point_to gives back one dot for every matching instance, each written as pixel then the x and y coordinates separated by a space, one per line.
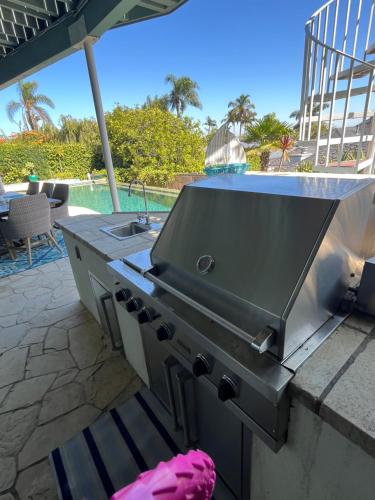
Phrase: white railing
pixel 337 75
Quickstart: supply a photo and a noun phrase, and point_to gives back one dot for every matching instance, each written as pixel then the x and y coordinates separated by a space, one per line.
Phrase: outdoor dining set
pixel 26 220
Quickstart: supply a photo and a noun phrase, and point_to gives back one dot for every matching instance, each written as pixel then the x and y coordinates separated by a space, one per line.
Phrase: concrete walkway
pixel 57 375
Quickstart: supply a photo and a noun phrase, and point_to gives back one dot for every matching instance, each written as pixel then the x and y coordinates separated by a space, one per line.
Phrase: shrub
pixel 61 161
pixel 253 159
pixel 154 145
pixel 305 166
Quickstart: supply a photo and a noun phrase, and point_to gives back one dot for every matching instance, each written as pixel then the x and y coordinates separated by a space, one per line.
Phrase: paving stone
pixel 34 308
pixel 48 318
pixel 350 405
pixel 48 363
pixel 57 338
pixel 317 372
pixel 8 472
pixel 12 366
pixel 86 373
pixel 7 496
pixel 37 483
pixel 15 429
pixel 36 350
pixel 11 305
pixel 47 437
pixel 27 392
pixel 60 401
pixel 108 382
pixel 10 337
pixel 75 320
pixel 86 343
pixel 361 322
pixel 65 377
pixel 134 385
pixel 10 320
pixel 3 392
pixel 34 336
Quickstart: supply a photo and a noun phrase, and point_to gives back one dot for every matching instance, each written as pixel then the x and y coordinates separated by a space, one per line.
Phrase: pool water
pixel 98 198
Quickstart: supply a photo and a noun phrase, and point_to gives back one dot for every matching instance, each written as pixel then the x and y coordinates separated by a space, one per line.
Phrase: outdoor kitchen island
pixel 329 450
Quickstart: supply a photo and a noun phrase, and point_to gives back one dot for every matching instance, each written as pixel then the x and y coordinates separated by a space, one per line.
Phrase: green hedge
pixel 62 161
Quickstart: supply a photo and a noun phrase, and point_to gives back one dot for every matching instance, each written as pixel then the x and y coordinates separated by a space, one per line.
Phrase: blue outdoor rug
pixel 43 254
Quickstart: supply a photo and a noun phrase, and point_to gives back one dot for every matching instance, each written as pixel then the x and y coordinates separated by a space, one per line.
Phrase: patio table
pixel 7 197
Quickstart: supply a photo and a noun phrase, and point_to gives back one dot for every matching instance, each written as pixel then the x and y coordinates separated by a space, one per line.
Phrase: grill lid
pixel 242 245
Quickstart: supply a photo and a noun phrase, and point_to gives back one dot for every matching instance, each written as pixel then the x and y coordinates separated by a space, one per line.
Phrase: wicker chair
pixel 60 192
pixel 29 216
pixel 2 188
pixel 33 188
pixel 47 188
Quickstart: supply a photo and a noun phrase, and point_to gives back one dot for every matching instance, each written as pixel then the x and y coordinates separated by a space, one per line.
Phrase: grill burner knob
pixel 201 366
pixel 227 389
pixel 164 332
pixel 133 304
pixel 123 295
pixel 146 315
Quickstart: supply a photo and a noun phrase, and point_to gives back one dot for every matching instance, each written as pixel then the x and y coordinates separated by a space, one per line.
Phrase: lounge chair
pixel 28 217
pixel 60 192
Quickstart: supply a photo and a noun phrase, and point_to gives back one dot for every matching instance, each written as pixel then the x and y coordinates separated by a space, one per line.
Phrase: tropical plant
pixel 241 111
pixel 305 166
pixel 30 105
pixel 84 131
pixel 183 94
pixel 210 124
pixel 286 143
pixel 160 102
pixel 267 131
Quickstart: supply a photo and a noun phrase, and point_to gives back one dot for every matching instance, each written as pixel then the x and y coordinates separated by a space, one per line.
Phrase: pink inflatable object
pixel 185 477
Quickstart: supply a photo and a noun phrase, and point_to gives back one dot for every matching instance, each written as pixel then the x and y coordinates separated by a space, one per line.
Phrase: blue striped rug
pixel 109 454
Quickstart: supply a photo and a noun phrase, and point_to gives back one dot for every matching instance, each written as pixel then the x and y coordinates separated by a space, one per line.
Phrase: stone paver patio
pixel 57 375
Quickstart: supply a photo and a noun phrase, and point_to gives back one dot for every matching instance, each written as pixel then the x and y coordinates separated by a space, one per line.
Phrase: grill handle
pixel 260 342
pixel 182 378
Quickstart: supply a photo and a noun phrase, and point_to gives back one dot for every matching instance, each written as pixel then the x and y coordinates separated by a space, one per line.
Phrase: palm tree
pixel 30 105
pixel 184 93
pixel 268 130
pixel 210 124
pixel 241 111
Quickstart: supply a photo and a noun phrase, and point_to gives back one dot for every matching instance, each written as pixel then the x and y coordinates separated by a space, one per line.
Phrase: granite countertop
pixel 336 382
pixel 86 229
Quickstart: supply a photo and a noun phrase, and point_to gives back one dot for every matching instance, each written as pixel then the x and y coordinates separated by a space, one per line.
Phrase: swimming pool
pixel 98 198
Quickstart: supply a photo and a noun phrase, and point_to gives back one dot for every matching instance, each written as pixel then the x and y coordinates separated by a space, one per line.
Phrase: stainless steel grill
pixel 244 281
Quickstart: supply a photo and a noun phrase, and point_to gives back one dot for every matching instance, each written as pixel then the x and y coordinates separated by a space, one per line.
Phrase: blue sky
pixel 228 46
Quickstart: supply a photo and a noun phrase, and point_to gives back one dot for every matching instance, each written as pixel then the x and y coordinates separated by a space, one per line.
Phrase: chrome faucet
pixel 146 216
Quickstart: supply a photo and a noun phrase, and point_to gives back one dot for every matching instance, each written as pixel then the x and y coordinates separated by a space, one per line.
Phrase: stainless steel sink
pixel 127 231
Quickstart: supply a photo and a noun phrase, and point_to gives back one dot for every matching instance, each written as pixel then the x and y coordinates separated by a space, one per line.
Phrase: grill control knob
pixel 123 295
pixel 146 315
pixel 227 389
pixel 201 366
pixel 164 332
pixel 133 304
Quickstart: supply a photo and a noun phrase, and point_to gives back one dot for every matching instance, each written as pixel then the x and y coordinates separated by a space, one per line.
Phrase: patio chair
pixel 47 188
pixel 2 188
pixel 60 192
pixel 29 216
pixel 33 188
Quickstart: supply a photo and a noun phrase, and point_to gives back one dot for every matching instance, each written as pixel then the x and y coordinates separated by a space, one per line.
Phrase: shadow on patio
pixel 57 375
